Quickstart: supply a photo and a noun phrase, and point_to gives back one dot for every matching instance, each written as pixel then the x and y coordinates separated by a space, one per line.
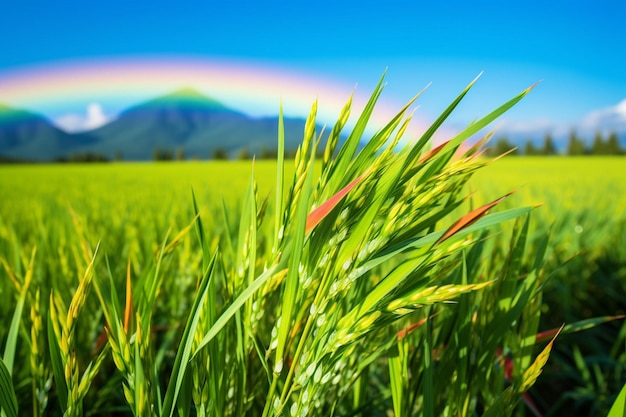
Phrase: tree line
pixel 576 146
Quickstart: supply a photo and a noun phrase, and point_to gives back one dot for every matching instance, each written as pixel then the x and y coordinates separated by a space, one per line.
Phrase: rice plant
pixel 368 285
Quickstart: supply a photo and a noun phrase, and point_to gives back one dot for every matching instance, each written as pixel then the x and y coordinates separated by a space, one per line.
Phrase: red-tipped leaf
pixel 434 151
pixel 317 215
pixel 470 218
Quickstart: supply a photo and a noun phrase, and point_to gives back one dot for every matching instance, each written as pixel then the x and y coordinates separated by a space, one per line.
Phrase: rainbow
pixel 251 87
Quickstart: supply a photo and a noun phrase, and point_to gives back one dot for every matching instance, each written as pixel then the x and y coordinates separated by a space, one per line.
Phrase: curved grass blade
pixel 533 372
pixel 348 149
pixel 184 352
pixel 8 400
pixel 11 344
pixel 280 179
pixel 415 151
pixel 619 406
pixel 128 309
pixel 484 121
pixel 56 360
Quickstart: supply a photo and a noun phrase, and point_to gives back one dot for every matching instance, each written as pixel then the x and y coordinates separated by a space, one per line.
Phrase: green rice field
pixel 375 281
pixel 132 208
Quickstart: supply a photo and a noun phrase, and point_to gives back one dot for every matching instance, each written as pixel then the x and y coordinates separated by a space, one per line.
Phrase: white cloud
pixel 93 118
pixel 607 119
pixel 527 127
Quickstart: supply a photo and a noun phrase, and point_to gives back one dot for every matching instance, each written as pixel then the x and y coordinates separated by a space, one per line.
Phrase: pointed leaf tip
pixel 434 151
pixel 532 86
pixel 471 218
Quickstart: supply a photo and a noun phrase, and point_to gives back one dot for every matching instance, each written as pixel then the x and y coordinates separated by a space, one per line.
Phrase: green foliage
pixel 362 283
pixel 548 145
pixel 530 149
pixel 159 154
pixel 502 146
pixel 219 154
pixel 582 209
pixel 610 146
pixel 8 401
pixel 619 406
pixel 575 145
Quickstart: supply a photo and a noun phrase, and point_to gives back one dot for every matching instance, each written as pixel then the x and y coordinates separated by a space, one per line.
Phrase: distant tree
pixel 612 144
pixel 501 146
pixel 220 154
pixel 575 145
pixel 162 154
pixel 243 154
pixel 598 146
pixel 530 149
pixel 83 157
pixel 267 153
pixel 180 154
pixel 118 156
pixel 548 145
pixel 290 153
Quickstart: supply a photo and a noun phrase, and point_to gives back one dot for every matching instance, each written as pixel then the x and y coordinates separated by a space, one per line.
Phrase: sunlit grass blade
pixel 184 353
pixel 427 136
pixel 128 309
pixel 618 409
pixel 398 368
pixel 56 361
pixel 11 343
pixel 280 180
pixel 532 373
pixel 234 307
pixel 483 122
pixel 351 145
pixel 200 233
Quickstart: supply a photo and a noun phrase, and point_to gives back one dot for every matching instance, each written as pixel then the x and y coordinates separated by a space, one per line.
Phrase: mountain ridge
pixel 184 120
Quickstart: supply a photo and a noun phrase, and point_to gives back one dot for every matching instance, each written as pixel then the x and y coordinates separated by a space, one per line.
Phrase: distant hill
pixel 184 120
pixel 29 136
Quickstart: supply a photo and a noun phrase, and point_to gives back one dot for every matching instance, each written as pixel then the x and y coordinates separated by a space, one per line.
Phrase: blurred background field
pixel 130 207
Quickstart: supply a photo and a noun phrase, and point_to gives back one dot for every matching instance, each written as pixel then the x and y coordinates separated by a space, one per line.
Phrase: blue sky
pixel 576 48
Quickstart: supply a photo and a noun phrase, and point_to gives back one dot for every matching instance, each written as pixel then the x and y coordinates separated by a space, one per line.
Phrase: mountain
pixel 184 120
pixel 29 136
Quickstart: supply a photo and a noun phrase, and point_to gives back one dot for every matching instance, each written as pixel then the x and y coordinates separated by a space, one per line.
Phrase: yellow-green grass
pixel 130 208
pixel 561 183
pixel 367 284
pixel 581 198
pixel 122 190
